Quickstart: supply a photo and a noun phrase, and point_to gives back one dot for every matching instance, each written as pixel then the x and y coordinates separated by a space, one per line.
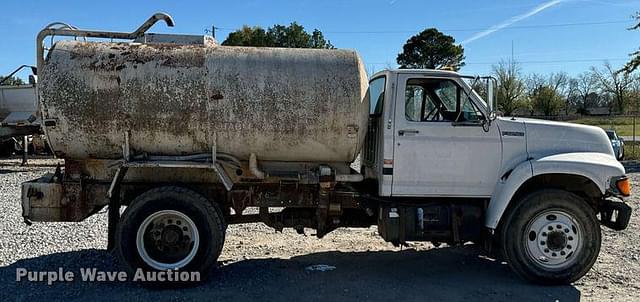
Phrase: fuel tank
pixel 306 105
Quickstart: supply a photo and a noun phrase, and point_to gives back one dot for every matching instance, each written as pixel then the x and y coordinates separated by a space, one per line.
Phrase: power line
pixel 528 62
pixel 486 28
pixel 554 61
pixel 473 29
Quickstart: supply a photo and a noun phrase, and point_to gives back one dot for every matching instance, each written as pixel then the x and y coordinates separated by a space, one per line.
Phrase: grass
pixel 622 124
pixel 631 153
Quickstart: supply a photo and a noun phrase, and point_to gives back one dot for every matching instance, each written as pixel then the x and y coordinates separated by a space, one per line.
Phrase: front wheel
pixel 551 237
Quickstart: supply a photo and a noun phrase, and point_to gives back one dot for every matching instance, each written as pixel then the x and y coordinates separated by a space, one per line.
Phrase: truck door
pixel 443 145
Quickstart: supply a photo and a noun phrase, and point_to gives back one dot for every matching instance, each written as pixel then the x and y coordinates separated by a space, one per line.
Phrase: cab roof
pixel 427 72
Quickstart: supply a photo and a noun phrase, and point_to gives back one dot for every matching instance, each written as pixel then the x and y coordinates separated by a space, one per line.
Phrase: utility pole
pixel 212 31
pixel 512 57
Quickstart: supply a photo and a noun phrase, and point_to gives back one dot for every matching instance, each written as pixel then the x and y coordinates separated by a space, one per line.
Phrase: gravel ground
pixel 260 264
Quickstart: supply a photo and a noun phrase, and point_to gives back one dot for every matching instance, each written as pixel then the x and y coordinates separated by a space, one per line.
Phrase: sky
pixel 544 36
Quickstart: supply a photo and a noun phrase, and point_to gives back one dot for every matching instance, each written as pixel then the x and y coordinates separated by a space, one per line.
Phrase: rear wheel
pixel 170 228
pixel 551 237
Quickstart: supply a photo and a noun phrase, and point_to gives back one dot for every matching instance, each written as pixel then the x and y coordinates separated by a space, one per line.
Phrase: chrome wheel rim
pixel 167 239
pixel 554 239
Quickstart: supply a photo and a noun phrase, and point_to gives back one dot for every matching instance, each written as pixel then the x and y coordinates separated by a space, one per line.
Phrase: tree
pixel 635 56
pixel 559 82
pixel 292 36
pixel 616 83
pixel 511 90
pixel 634 94
pixel 12 81
pixel 533 83
pixel 546 100
pixel 548 94
pixel 582 90
pixel 318 40
pixel 480 88
pixel 248 36
pixel 431 49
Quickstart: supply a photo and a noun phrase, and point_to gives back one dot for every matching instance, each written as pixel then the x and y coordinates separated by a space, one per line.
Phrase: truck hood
pixel 544 138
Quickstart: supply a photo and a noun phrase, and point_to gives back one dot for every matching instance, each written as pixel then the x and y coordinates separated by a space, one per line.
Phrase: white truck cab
pixel 439 138
pixel 438 141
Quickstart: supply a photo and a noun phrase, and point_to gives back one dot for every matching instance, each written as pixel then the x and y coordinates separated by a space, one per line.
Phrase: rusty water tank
pixel 281 104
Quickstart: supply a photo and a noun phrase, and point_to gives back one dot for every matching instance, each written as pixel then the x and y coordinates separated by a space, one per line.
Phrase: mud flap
pixel 615 215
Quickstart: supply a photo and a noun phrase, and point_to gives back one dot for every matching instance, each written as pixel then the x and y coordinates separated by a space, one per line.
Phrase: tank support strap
pixel 114 206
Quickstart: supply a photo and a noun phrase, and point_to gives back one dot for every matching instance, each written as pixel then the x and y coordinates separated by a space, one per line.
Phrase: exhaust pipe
pixel 253 167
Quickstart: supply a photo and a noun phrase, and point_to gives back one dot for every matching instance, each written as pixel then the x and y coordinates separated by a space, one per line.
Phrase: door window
pixel 438 100
pixel 414 102
pixel 468 111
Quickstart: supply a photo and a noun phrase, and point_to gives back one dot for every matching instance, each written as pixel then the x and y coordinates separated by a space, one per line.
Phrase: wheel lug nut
pixel 566 230
pixel 550 228
pixel 185 229
pixel 169 221
pixel 554 254
pixel 562 253
pixel 542 242
pixel 558 226
pixel 178 222
pixel 568 246
pixel 570 238
pixel 546 250
pixel 544 234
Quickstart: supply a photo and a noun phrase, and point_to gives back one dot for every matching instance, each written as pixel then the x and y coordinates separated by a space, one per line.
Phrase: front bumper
pixel 615 214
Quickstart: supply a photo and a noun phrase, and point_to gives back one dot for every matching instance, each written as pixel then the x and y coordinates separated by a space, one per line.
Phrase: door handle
pixel 408 131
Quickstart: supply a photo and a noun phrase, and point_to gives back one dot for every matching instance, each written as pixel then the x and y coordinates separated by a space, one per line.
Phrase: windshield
pixel 611 135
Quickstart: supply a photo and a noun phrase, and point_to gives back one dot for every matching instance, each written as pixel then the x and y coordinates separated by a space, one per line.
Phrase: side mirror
pixel 491 99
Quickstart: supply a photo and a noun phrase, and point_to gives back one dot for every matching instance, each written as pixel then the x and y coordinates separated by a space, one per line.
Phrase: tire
pixel 170 228
pixel 555 256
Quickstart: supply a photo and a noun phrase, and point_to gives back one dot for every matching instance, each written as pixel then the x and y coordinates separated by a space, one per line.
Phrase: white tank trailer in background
pixel 187 134
pixel 19 120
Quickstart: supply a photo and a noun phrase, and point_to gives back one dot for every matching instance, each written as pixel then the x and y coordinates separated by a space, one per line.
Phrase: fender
pixel 598 167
